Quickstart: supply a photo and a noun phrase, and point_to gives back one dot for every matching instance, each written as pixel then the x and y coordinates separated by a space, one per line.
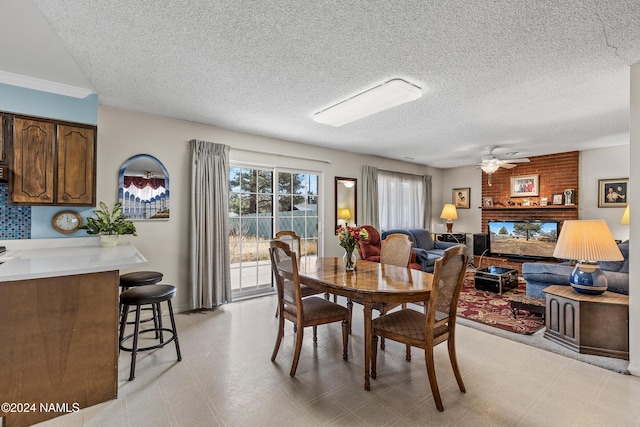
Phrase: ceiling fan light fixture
pixel 388 95
pixel 490 166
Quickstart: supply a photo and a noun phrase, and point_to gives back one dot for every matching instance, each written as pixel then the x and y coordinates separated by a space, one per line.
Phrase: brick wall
pixel 557 172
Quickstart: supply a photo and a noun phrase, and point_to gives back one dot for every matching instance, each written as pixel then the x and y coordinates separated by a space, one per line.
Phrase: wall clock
pixel 66 222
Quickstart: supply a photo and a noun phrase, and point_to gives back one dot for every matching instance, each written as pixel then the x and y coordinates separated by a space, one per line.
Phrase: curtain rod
pixel 406 173
pixel 292 156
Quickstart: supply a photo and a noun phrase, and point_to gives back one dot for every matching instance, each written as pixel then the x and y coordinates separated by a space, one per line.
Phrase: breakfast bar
pixel 58 329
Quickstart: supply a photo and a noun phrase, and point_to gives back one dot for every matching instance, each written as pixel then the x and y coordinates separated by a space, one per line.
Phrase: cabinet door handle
pixel 45 197
pixel 64 197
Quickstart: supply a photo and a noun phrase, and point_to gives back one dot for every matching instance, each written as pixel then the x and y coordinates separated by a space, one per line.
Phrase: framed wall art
pixel 612 193
pixel 524 186
pixel 557 199
pixel 460 197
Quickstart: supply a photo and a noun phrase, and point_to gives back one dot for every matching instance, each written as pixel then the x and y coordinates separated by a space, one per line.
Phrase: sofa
pixel 427 251
pixel 539 275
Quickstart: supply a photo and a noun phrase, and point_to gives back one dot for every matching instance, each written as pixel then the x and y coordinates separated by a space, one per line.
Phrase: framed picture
pixel 544 201
pixel 524 186
pixel 460 197
pixel 557 199
pixel 612 193
pixel 488 201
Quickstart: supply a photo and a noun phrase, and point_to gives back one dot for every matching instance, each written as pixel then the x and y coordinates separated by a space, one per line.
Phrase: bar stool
pixel 140 278
pixel 145 295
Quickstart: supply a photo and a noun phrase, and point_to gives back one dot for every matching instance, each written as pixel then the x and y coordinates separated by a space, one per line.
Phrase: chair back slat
pixel 284 265
pixel 396 250
pixel 448 275
pixel 290 237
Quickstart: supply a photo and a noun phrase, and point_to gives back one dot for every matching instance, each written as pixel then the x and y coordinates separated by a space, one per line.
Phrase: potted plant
pixel 109 224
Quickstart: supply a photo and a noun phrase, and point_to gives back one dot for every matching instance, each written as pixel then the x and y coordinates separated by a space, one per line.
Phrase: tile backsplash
pixel 15 221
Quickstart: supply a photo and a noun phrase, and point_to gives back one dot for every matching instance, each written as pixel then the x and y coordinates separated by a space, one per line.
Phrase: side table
pixel 589 324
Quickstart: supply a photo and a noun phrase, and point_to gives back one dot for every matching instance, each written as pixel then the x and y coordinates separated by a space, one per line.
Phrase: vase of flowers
pixel 349 238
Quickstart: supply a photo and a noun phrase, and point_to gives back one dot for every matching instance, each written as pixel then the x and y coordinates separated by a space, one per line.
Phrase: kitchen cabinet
pixel 53 163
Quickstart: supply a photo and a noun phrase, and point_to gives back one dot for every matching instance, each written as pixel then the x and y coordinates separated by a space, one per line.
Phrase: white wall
pixel 469 220
pixel 634 230
pixel 121 134
pixel 604 163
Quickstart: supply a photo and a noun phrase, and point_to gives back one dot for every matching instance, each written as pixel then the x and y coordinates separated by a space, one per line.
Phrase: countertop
pixel 35 263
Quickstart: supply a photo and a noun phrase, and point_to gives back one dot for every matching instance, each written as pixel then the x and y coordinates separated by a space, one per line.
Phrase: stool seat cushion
pixel 148 294
pixel 140 278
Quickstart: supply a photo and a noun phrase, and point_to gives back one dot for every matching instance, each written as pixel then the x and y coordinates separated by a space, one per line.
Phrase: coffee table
pixel 495 279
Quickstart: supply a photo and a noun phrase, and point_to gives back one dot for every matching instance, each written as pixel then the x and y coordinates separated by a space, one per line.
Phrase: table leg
pixel 367 342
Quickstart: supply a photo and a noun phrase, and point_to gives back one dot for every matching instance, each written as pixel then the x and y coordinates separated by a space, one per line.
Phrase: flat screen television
pixel 523 239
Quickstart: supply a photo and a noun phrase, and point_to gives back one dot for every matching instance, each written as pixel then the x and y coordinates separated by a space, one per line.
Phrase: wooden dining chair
pixel 437 325
pixel 302 312
pixel 395 250
pixel 293 240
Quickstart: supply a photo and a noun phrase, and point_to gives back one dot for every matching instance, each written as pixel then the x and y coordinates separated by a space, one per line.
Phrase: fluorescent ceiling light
pixel 387 95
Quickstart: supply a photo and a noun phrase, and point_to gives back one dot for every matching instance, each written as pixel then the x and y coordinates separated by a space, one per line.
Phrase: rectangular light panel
pixel 387 95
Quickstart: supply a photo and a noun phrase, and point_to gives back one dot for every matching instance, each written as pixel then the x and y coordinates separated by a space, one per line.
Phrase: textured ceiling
pixel 532 77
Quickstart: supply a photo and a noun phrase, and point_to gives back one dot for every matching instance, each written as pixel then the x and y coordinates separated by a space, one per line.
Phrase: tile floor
pixel 226 378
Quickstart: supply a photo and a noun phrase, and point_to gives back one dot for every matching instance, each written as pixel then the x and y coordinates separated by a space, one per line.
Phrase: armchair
pixel 369 249
pixel 428 251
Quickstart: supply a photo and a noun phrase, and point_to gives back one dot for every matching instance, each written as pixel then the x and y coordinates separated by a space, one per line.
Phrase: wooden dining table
pixel 370 282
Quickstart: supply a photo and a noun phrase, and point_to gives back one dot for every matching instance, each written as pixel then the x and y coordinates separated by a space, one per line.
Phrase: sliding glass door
pixel 262 202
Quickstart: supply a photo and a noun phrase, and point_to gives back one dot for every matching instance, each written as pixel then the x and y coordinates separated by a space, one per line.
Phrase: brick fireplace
pixel 557 172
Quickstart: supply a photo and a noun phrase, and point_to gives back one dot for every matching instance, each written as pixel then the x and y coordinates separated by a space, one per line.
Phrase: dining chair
pixel 395 250
pixel 302 312
pixel 437 325
pixel 293 240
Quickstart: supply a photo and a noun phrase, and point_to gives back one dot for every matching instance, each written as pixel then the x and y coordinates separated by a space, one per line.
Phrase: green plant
pixel 109 222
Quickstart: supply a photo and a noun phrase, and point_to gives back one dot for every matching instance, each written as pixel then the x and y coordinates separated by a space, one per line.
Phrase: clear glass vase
pixel 349 259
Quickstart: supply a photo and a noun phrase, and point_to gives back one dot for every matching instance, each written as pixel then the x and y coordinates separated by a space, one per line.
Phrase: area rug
pixel 495 310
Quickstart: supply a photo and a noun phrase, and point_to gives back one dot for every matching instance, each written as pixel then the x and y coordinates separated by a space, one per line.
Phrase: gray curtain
pixel 370 212
pixel 210 278
pixel 426 201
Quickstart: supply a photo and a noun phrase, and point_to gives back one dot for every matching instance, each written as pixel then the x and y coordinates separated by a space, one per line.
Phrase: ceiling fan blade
pixel 520 160
pixel 508 165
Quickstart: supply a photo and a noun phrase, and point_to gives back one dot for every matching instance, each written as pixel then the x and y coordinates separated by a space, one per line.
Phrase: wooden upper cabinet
pixel 53 163
pixel 76 165
pixel 33 148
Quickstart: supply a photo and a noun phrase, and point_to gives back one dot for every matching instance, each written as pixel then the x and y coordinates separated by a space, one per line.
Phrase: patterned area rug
pixel 495 310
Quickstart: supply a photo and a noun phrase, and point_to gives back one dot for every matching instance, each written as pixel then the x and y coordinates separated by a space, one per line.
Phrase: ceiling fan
pixel 491 163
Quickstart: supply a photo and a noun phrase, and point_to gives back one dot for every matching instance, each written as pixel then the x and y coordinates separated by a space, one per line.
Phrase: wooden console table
pixel 589 324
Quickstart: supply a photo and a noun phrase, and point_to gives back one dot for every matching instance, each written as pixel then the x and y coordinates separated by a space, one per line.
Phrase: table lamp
pixel 625 216
pixel 449 213
pixel 344 214
pixel 587 242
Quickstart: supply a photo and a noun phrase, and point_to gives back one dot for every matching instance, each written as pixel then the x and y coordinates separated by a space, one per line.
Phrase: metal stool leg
pixel 175 331
pixel 134 349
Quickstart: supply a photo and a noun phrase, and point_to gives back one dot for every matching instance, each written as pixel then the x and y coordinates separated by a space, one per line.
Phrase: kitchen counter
pixel 23 264
pixel 59 326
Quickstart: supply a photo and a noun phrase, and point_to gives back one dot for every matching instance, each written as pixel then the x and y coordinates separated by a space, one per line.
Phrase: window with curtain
pixel 400 198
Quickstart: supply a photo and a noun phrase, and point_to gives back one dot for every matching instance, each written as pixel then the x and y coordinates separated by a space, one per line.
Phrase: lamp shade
pixel 587 240
pixel 344 213
pixel 625 216
pixel 449 212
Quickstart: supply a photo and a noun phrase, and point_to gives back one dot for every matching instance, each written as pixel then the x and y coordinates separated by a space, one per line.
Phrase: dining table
pixel 370 283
